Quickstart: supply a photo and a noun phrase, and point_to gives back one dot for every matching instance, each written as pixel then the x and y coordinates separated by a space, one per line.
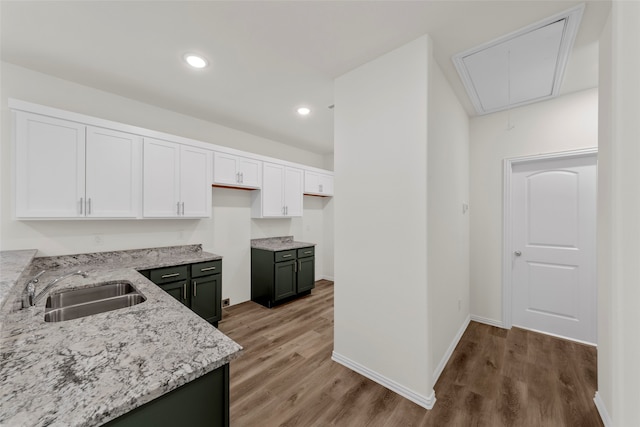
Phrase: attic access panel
pixel 520 68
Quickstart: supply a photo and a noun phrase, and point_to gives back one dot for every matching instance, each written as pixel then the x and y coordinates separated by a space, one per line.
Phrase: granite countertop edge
pixel 282 243
pixel 88 371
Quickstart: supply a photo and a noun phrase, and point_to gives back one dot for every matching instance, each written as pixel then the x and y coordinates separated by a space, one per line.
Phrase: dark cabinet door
pixel 306 274
pixel 178 290
pixel 285 279
pixel 206 295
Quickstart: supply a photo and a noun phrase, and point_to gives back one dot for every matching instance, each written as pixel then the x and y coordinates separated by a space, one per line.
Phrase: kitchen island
pixel 91 370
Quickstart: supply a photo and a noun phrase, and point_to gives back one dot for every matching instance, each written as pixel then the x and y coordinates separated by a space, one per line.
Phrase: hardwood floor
pixel 494 378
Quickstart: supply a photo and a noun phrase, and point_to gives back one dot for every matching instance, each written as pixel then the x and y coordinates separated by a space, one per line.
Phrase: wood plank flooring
pixel 494 378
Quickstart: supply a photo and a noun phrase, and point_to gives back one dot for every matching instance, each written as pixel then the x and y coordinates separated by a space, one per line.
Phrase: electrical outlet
pixel 226 302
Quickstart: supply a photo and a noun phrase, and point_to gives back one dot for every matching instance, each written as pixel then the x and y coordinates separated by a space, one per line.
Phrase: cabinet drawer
pixel 206 268
pixel 305 252
pixel 285 255
pixel 169 274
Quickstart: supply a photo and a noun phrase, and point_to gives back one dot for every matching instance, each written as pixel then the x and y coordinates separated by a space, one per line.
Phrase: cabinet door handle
pixel 238 177
pixel 178 207
pixel 300 265
pixel 166 276
pixel 81 205
pixel 195 288
pixel 295 267
pixel 89 206
pixel 320 187
pixel 182 208
pixel 286 256
pixel 207 269
pixel 242 177
pixel 184 291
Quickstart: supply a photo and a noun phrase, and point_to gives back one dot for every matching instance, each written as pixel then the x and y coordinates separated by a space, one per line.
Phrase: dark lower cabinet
pixel 306 274
pixel 281 275
pixel 198 286
pixel 203 402
pixel 206 297
pixel 285 280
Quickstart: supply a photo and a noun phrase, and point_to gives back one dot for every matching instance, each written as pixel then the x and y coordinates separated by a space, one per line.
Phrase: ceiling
pixel 266 57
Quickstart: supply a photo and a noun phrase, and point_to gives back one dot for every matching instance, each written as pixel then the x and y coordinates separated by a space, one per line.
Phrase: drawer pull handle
pixel 166 276
pixel 307 252
pixel 287 256
pixel 184 291
pixel 207 269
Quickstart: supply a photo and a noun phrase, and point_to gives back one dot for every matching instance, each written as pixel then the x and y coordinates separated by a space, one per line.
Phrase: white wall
pixel 380 146
pixel 228 231
pixel 566 123
pixel 604 232
pixel 619 224
pixel 448 226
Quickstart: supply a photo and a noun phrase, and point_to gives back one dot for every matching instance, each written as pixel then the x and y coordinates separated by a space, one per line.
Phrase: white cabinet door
pixel 318 184
pixel 311 182
pixel 293 191
pixel 225 169
pixel 49 167
pixel 250 172
pixel 281 194
pixel 236 171
pixel 195 185
pixel 113 174
pixel 161 179
pixel 272 190
pixel 326 185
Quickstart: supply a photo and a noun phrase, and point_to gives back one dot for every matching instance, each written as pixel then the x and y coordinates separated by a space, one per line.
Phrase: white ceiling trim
pixel 572 18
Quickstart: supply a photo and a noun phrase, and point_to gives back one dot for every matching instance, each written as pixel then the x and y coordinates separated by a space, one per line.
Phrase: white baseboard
pixel 487 321
pixel 424 401
pixel 449 352
pixel 602 410
pixel 327 278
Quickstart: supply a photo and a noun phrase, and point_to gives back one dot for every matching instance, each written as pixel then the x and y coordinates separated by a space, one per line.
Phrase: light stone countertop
pixel 87 371
pixel 12 264
pixel 283 243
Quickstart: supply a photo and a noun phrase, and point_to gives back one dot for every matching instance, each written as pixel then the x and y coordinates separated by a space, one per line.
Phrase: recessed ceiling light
pixel 304 111
pixel 195 61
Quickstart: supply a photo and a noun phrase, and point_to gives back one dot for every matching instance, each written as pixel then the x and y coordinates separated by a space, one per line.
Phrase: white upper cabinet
pixel 113 174
pixel 236 171
pixel 176 180
pixel 72 166
pixel 68 170
pixel 281 195
pixel 195 182
pixel 318 184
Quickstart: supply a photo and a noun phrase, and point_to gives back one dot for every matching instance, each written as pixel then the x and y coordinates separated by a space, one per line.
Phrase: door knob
pixel 517 253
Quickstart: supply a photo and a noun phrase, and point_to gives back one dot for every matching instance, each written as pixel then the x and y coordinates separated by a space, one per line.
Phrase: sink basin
pixel 76 303
pixel 84 295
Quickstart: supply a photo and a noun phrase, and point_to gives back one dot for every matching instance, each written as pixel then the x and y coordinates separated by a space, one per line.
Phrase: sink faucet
pixel 31 287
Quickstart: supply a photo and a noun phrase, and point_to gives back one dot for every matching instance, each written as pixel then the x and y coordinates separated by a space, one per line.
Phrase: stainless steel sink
pixel 76 303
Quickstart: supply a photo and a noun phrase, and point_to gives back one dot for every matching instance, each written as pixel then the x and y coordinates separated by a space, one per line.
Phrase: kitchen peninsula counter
pixel 90 370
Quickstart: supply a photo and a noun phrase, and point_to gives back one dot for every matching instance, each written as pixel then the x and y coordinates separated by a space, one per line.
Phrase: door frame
pixel 507 249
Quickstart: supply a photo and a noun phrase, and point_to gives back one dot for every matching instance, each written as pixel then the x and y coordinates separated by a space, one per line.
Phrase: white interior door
pixel 553 217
